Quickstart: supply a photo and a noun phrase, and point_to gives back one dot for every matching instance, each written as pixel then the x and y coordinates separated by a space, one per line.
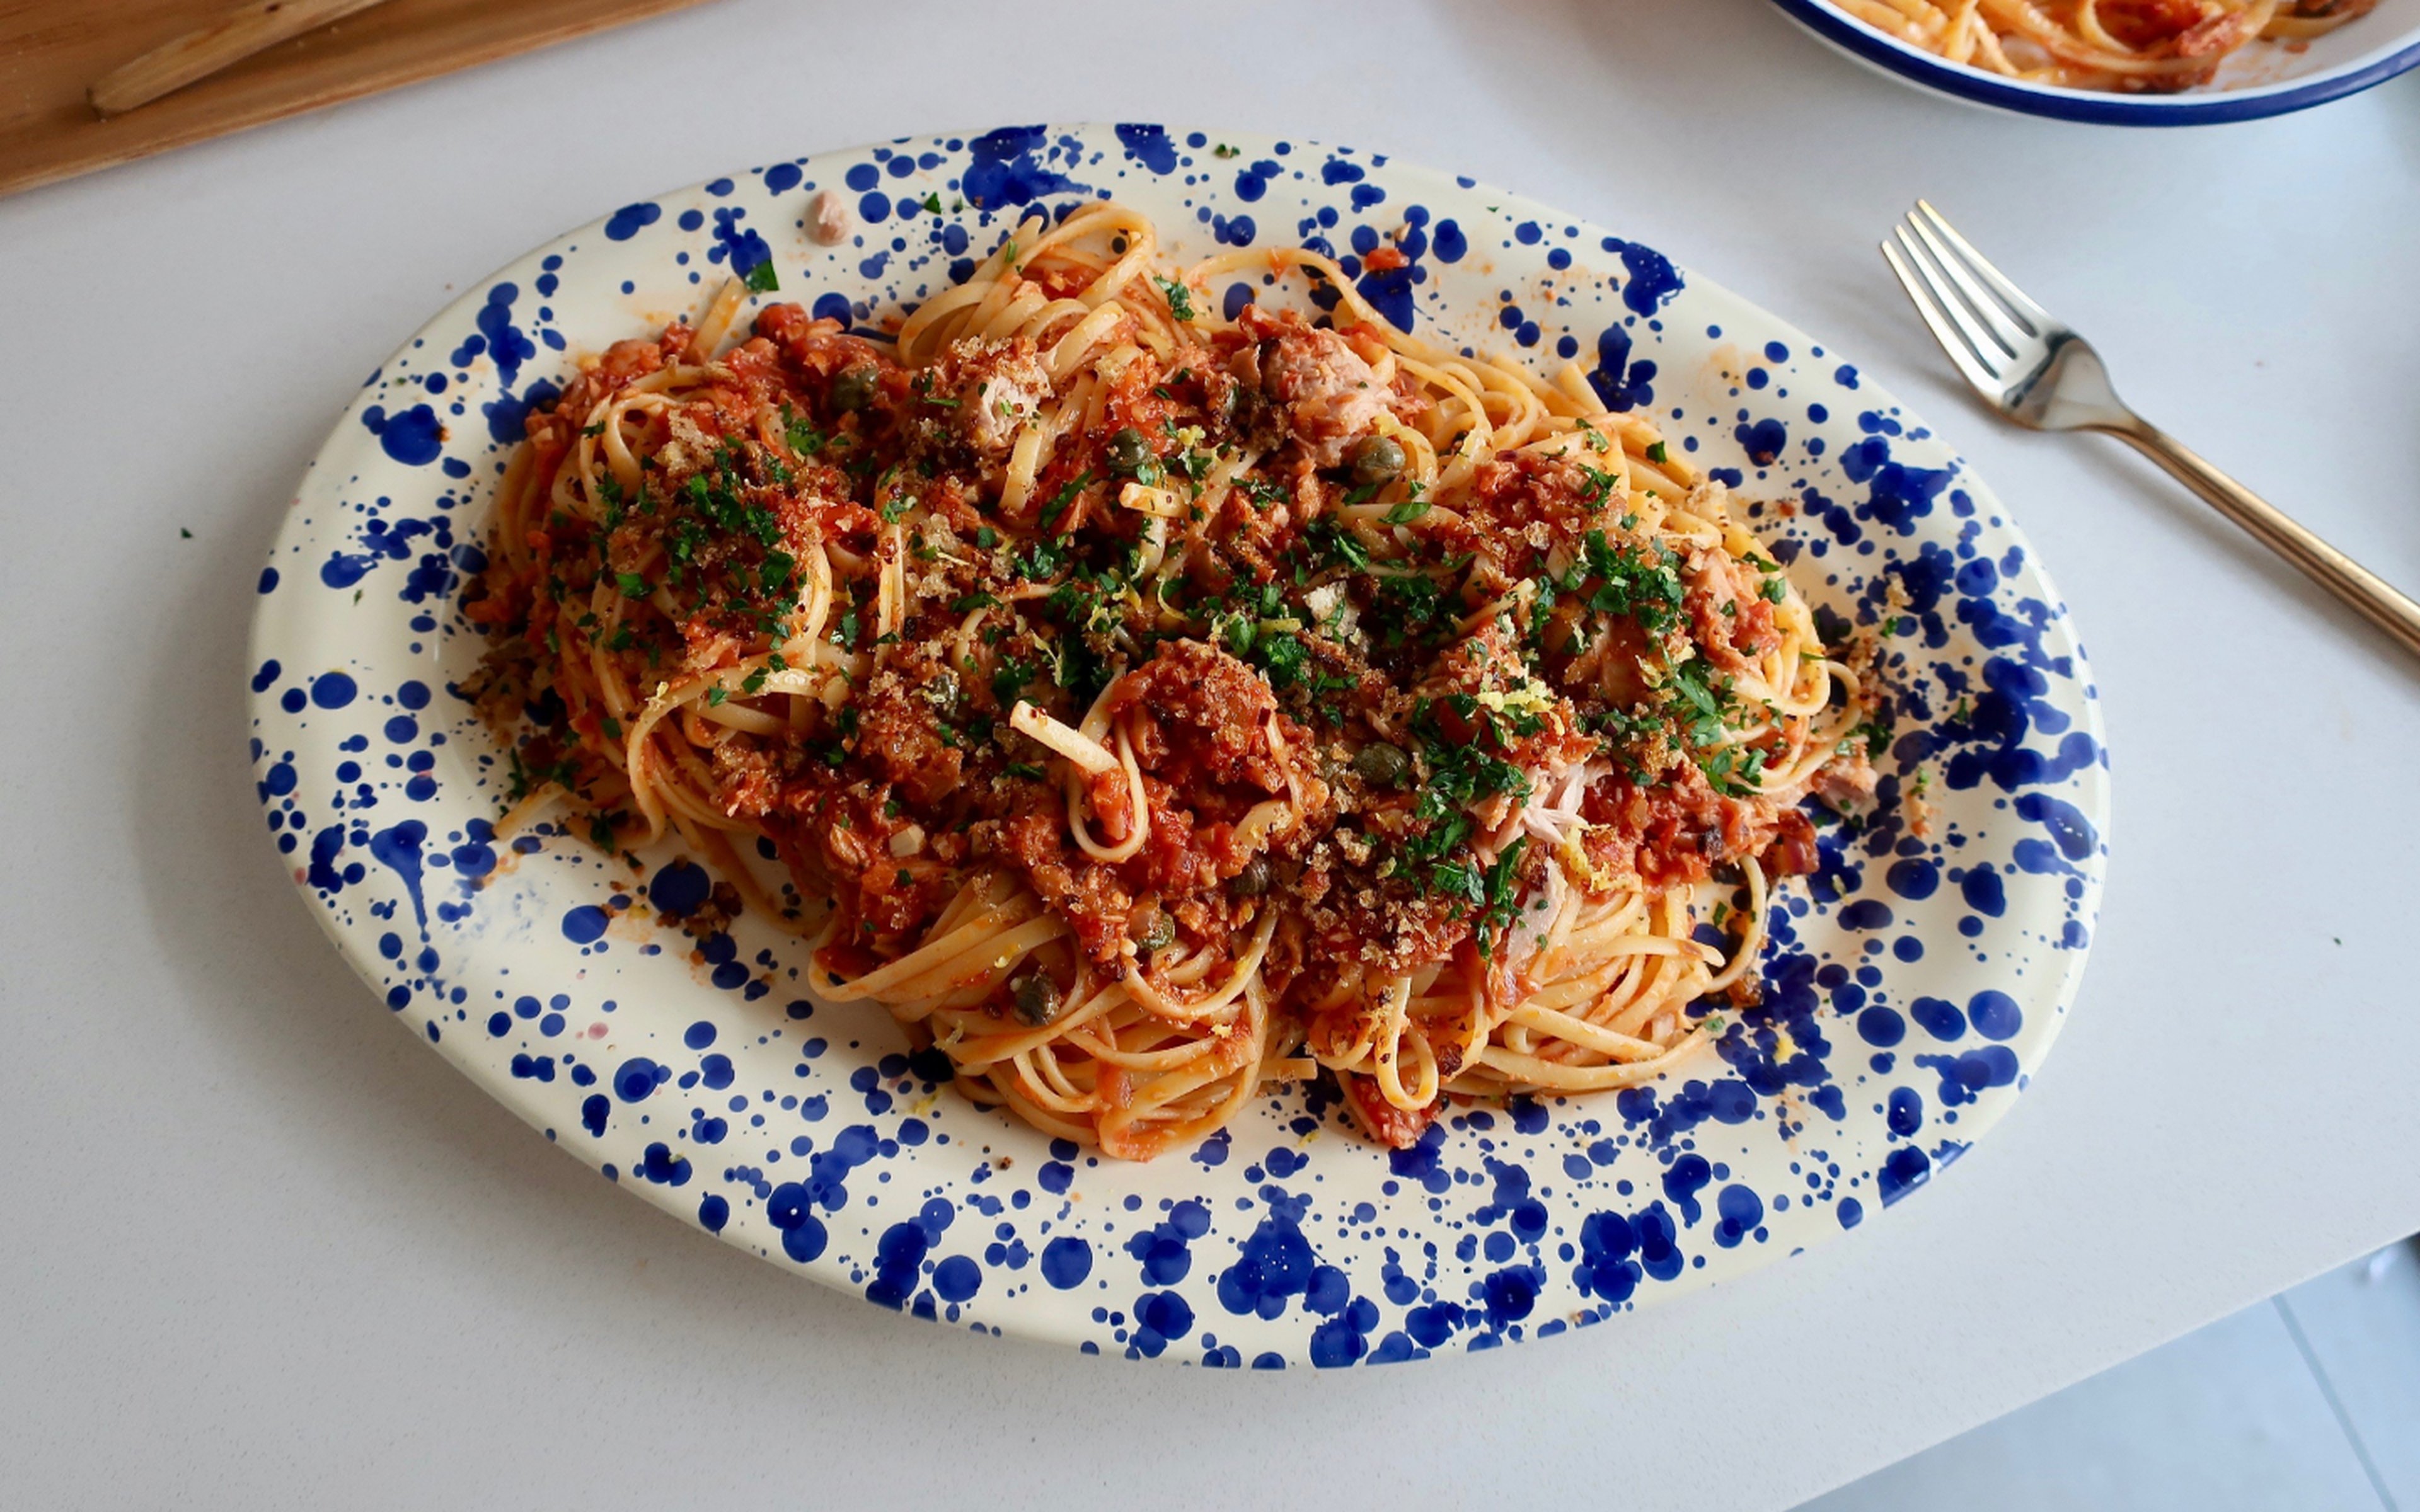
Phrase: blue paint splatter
pixel 399 849
pixel 631 219
pixel 1622 384
pixel 413 437
pixel 1006 169
pixel 1065 1263
pixel 1653 281
pixel 638 1078
pixel 1276 1264
pixel 1150 145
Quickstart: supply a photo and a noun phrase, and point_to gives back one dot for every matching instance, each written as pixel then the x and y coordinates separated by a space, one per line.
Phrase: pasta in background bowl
pixel 2135 65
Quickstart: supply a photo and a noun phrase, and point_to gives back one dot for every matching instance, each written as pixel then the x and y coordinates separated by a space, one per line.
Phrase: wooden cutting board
pixel 51 50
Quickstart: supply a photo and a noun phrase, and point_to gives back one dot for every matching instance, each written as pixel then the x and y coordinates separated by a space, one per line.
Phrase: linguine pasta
pixel 1150 701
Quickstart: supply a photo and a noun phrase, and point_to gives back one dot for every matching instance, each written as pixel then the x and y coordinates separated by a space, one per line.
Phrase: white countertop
pixel 263 1248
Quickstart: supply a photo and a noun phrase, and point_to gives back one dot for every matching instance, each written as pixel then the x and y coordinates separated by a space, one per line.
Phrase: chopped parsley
pixel 1281 657
pixel 1009 682
pixel 802 435
pixel 1043 558
pixel 1499 893
pixel 1406 608
pixel 1409 510
pixel 1460 773
pixel 1334 543
pixel 1058 507
pixel 1639 581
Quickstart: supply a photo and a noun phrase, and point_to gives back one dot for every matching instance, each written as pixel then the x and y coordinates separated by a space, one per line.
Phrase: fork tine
pixel 1952 324
pixel 1953 342
pixel 2036 319
pixel 1970 292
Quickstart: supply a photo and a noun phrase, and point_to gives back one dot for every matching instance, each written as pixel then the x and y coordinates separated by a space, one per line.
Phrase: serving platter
pixel 1911 991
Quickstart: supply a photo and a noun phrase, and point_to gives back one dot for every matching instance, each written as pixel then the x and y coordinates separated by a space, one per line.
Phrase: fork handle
pixel 2348 580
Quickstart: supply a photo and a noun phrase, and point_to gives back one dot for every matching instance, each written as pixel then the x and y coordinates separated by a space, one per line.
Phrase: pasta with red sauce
pixel 1148 705
pixel 2130 46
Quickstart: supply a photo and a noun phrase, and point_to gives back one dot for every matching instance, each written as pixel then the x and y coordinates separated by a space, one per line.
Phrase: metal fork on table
pixel 2040 374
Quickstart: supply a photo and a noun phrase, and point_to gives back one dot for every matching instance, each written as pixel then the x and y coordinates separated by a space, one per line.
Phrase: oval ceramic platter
pixel 1912 987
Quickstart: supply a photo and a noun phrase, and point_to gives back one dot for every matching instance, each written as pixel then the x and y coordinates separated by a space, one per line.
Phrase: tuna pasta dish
pixel 2135 46
pixel 1150 700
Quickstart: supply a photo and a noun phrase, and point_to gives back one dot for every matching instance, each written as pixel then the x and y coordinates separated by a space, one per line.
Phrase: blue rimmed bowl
pixel 2262 81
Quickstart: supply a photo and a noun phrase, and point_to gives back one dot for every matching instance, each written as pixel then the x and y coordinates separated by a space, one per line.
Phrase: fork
pixel 2038 372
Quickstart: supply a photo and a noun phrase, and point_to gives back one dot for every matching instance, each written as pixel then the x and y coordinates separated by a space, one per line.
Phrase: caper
pixel 1254 879
pixel 1158 933
pixel 853 389
pixel 1129 454
pixel 1374 460
pixel 1036 997
pixel 1381 765
pixel 943 691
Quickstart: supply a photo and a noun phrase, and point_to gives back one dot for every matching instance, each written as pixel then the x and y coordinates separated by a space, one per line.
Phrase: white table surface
pixel 262 1248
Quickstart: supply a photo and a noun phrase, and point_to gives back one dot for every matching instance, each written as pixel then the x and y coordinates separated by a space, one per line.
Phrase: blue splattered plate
pixel 1911 990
